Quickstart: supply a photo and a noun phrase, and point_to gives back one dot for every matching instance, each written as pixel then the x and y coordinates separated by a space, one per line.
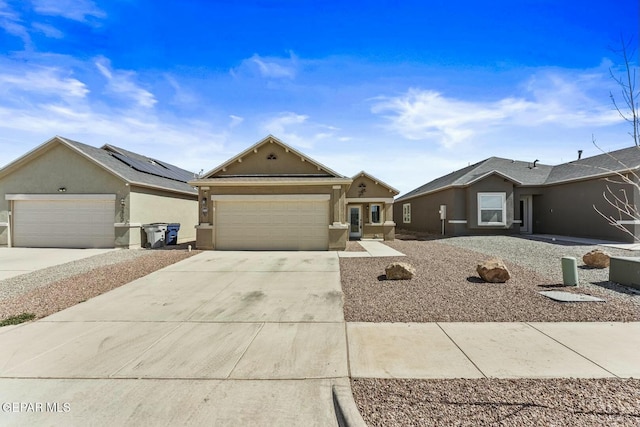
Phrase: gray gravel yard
pixel 447 288
pixel 499 402
pixel 44 292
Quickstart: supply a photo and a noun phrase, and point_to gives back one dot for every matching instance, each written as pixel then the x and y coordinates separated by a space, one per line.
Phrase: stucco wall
pixel 462 205
pixel 425 214
pixel 258 163
pixel 567 209
pixel 56 168
pixel 370 189
pixel 149 206
pixel 206 234
pixel 491 184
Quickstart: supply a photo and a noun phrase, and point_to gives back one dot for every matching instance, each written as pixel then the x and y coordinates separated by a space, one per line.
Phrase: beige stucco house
pixel 68 194
pixel 272 197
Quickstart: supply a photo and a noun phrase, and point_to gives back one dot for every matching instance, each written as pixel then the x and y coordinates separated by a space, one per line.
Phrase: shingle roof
pixel 104 157
pixel 602 164
pixel 524 174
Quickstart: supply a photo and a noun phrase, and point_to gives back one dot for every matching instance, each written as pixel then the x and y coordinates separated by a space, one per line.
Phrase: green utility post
pixel 569 271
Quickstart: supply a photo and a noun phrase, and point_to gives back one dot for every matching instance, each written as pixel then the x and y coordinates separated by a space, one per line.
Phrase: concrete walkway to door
pixel 223 338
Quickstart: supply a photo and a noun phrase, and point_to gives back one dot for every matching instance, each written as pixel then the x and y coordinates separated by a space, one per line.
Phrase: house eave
pixel 221 182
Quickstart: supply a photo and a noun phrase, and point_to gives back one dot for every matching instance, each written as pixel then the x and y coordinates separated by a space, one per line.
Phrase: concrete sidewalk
pixel 373 248
pixel 222 338
pixel 497 350
pixel 17 261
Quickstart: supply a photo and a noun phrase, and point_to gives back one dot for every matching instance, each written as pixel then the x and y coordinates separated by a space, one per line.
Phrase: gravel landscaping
pixel 447 288
pixel 44 292
pixel 503 402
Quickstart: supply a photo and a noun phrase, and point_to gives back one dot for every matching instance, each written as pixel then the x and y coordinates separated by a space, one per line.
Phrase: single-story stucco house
pixel 72 195
pixel 503 196
pixel 272 197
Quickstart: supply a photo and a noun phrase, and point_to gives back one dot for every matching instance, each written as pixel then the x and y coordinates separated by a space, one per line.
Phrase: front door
pixel 355 220
pixel 526 214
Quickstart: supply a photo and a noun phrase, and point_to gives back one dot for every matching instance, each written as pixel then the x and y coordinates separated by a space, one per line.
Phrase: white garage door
pixel 64 222
pixel 273 223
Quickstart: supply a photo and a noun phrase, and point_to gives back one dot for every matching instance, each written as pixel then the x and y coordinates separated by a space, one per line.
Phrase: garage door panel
pixel 272 225
pixel 64 223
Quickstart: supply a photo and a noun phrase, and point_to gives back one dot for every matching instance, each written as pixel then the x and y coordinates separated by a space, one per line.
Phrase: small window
pixel 376 214
pixel 492 209
pixel 406 213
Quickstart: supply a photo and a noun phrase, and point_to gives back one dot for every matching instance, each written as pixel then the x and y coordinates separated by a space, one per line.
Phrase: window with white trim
pixel 492 209
pixel 375 214
pixel 406 213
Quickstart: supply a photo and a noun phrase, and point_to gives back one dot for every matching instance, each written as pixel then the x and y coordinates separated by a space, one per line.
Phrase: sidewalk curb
pixel 347 413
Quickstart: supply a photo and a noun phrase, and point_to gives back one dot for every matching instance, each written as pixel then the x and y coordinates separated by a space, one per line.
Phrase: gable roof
pixel 116 165
pixel 377 181
pixel 524 174
pixel 323 171
pixel 520 173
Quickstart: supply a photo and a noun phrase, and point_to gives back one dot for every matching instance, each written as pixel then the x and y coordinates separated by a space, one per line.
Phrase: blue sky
pixel 407 90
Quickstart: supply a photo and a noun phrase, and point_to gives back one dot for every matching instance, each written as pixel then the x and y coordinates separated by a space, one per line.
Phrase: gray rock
pixel 400 271
pixel 493 271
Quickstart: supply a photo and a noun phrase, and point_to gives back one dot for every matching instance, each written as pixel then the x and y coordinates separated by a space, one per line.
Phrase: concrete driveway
pixel 222 338
pixel 17 261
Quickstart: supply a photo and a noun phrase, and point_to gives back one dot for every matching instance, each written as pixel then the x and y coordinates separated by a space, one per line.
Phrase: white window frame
pixel 503 197
pixel 380 206
pixel 406 213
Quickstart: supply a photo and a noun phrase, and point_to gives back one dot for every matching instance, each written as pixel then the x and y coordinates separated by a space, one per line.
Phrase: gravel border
pixel 446 287
pixel 47 291
pixel 544 257
pixel 504 402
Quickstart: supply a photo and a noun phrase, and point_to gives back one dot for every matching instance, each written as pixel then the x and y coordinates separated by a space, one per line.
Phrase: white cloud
pixel 269 67
pixel 121 83
pixel 298 130
pixel 76 10
pixel 182 96
pixel 47 30
pixel 549 99
pixel 235 121
pixel 188 143
pixel 11 23
pixel 43 81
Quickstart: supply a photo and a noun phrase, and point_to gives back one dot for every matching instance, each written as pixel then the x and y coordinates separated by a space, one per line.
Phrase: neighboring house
pixel 501 196
pixel 272 197
pixel 68 194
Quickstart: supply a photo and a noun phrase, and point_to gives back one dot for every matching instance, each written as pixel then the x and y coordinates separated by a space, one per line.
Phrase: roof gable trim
pixel 270 139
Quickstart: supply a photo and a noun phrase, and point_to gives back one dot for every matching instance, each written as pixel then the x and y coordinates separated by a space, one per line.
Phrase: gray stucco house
pixel 68 194
pixel 503 196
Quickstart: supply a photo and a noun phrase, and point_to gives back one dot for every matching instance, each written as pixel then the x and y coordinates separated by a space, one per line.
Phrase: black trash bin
pixel 171 238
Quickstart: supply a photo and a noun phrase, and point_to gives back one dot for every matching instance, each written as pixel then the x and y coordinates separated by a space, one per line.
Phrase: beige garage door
pixel 273 223
pixel 64 223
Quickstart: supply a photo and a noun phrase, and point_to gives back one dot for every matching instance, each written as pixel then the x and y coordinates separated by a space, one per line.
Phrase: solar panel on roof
pixel 183 174
pixel 158 169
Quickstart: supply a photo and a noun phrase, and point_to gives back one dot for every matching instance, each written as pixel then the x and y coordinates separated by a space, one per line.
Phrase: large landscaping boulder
pixel 399 271
pixel 493 271
pixel 596 258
